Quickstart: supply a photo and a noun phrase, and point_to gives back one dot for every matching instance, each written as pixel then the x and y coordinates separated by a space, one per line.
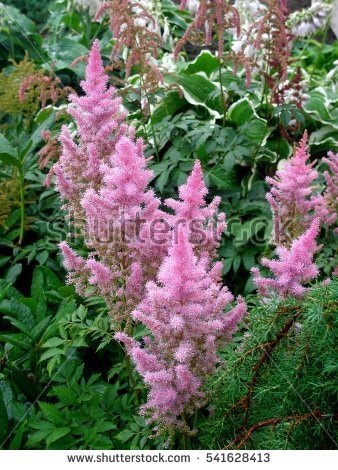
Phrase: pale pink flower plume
pixel 184 311
pixel 293 268
pixel 291 195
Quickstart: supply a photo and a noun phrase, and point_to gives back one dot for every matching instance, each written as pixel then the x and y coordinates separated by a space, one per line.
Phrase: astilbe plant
pixel 102 177
pixel 266 47
pixel 216 16
pixel 291 196
pixel 326 206
pixel 293 269
pixel 48 88
pixel 99 121
pixel 299 212
pixel 203 220
pixel 184 311
pixel 134 28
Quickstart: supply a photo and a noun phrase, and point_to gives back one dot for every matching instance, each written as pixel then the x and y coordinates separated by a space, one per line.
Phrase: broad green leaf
pixel 8 154
pixel 205 62
pixel 18 310
pixel 241 112
pixel 318 106
pixel 326 138
pixel 200 91
pixel 169 106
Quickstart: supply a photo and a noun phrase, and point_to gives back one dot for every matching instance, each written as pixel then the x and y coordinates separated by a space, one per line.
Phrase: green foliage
pixel 64 382
pixel 36 11
pixel 284 369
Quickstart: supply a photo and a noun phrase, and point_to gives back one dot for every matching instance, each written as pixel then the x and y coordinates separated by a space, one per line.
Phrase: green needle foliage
pixel 278 388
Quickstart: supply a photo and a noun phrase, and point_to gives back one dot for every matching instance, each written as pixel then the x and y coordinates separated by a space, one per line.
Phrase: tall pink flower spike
pixel 184 311
pixel 102 177
pixel 291 195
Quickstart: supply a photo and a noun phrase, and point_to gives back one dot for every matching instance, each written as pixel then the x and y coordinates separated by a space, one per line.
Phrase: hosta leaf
pixel 205 62
pixel 200 91
pixel 318 106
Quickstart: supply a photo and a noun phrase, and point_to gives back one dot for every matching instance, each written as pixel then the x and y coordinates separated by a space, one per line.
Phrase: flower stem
pixel 22 206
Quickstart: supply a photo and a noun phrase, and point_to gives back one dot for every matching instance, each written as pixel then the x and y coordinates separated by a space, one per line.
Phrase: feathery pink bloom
pixel 204 222
pixel 326 206
pixel 99 126
pixel 293 268
pixel 291 196
pixel 184 311
pixel 103 178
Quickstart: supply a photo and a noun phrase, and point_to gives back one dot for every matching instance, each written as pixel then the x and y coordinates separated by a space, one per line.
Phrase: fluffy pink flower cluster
pixel 184 310
pixel 294 267
pixel 205 224
pixel 99 121
pixel 103 178
pixel 298 214
pixel 326 207
pixel 291 196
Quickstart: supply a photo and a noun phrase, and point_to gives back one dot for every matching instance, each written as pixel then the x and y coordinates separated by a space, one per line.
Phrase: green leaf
pixel 236 263
pixel 37 293
pixel 125 435
pixel 65 395
pixel 169 106
pixel 19 311
pixel 51 413
pixel 326 138
pixel 57 434
pixel 37 437
pixel 205 62
pixel 8 154
pixel 53 342
pixel 17 339
pixel 51 353
pixel 241 112
pixel 318 106
pixel 248 259
pixel 3 419
pixel 200 91
pixel 227 266
pixel 13 273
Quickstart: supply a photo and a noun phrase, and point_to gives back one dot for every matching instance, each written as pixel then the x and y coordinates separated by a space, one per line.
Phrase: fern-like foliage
pixel 277 389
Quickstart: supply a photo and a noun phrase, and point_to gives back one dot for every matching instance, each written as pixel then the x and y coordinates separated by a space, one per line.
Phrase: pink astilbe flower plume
pixel 102 177
pixel 291 196
pixel 205 224
pixel 293 268
pixel 184 311
pixel 99 121
pixel 326 205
